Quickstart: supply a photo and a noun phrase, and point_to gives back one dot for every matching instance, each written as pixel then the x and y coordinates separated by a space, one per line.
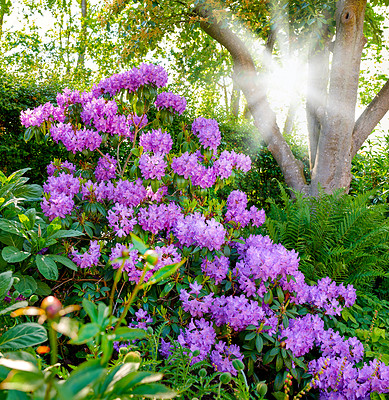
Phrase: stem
pixel 53 345
pixel 114 286
pixel 138 286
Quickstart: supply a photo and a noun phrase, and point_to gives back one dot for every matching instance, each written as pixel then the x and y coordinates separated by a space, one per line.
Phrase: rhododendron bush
pixel 238 295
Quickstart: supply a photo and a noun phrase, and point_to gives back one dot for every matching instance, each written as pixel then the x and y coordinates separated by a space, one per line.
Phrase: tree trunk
pixel 82 37
pixel 332 166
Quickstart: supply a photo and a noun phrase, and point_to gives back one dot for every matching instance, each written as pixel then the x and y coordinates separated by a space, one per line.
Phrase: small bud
pixel 123 350
pixel 283 344
pixel 238 364
pixel 33 299
pixel 43 350
pixel 225 378
pixel 132 357
pixel 262 389
pixel 203 372
pixel 151 256
pixel 52 306
pixel 150 330
pixel 196 353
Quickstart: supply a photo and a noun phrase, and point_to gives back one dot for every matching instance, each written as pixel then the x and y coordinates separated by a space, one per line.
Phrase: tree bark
pixel 332 167
pixel 370 117
pixel 264 118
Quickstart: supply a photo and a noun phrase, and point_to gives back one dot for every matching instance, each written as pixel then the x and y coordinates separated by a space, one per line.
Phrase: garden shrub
pixel 213 287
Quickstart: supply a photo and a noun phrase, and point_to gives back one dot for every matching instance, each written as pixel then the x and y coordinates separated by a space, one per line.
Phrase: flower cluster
pixel 171 101
pixel 65 166
pixel 156 141
pixel 216 269
pixel 152 166
pixel 146 74
pixel 121 219
pixel 106 168
pixel 208 132
pixel 89 258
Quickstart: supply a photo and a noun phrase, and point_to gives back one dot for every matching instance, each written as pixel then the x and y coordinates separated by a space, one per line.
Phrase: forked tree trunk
pixel 335 137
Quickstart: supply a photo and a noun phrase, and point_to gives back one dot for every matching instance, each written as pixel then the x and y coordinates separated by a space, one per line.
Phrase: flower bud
pixel 225 378
pixel 203 372
pixel 123 350
pixel 196 353
pixel 33 299
pixel 151 256
pixel 52 306
pixel 238 364
pixel 262 389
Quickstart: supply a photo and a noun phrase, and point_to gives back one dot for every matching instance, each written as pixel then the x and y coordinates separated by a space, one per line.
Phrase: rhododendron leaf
pixel 47 267
pixel 138 244
pixel 280 395
pixel 250 336
pixel 259 343
pixel 12 254
pixel 164 273
pixel 65 261
pixel 279 362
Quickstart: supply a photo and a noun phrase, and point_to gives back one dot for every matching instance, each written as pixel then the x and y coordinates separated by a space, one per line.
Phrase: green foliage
pixel 337 235
pixel 19 93
pixel 371 170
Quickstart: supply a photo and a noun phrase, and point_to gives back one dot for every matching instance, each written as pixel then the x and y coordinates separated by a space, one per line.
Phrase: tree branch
pixel 370 117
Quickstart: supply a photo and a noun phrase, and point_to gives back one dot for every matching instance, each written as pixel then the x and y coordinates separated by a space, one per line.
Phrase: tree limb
pixel 370 117
pixel 246 77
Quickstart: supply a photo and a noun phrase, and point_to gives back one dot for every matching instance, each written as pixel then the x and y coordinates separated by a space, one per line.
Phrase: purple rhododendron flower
pixel 170 100
pixel 121 219
pixel 156 141
pixel 223 356
pixel 106 168
pixel 90 258
pixel 208 132
pixel 152 167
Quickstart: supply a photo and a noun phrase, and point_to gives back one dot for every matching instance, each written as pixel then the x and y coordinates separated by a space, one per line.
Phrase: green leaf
pixel 11 239
pixel 259 343
pixel 64 261
pixel 164 273
pixel 12 255
pixel 23 335
pixel 23 381
pixel 154 391
pixel 26 282
pixel 43 289
pixel 65 234
pixel 86 374
pixel 29 192
pixel 6 281
pixel 138 244
pixel 279 362
pixel 280 395
pixel 12 227
pixel 87 333
pixel 91 309
pixel 47 267
pixel 124 385
pixel 125 333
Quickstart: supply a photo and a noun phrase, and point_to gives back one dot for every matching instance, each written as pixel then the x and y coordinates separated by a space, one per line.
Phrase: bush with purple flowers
pixel 238 296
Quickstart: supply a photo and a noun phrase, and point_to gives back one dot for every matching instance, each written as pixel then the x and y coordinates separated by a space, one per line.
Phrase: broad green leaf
pixel 138 244
pixel 25 282
pixel 29 192
pixel 125 333
pixel 65 234
pixel 164 273
pixel 88 373
pixel 47 267
pixel 125 384
pixel 87 333
pixel 64 261
pixel 91 309
pixel 11 239
pixel 23 381
pixel 280 395
pixel 23 335
pixel 154 391
pixel 12 227
pixel 12 255
pixel 43 289
pixel 6 280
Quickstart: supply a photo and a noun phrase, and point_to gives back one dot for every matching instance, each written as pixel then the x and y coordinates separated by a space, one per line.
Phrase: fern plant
pixel 343 237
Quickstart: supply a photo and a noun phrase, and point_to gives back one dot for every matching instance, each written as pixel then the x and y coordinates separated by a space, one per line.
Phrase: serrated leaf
pixel 26 282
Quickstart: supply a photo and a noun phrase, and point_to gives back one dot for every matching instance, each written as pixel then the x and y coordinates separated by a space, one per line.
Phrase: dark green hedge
pixel 19 93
